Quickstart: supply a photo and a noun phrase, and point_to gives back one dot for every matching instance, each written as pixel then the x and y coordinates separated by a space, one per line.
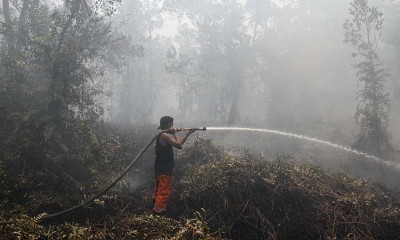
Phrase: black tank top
pixel 164 163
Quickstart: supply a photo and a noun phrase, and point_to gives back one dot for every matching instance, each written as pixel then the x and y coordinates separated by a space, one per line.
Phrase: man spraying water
pixel 164 164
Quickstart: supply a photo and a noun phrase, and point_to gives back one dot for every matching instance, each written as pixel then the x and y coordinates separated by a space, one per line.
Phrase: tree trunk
pixel 9 31
pixel 58 101
pixel 234 86
pixel 234 113
pixel 234 95
pixel 21 32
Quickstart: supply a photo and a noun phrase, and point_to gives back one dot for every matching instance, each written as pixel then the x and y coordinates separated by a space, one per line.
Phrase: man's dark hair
pixel 165 121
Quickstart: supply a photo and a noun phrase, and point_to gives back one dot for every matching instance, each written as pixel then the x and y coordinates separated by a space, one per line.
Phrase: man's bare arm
pixel 174 140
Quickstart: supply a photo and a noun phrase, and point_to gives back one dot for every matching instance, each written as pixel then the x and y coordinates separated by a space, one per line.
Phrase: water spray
pixel 311 139
pixel 88 201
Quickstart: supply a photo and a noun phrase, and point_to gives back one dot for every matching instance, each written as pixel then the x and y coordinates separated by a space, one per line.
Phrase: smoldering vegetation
pixel 217 196
pixel 83 84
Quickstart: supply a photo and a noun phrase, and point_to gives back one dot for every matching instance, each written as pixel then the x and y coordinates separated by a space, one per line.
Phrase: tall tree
pixel 80 35
pixel 362 32
pixel 221 41
pixel 9 32
pixel 61 50
pixel 135 88
pixel 60 55
pixel 8 58
pixel 391 39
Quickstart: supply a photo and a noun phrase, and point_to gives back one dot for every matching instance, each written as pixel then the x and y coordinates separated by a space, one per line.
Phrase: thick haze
pixel 269 64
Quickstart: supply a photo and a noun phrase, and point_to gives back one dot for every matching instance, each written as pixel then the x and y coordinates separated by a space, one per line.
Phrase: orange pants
pixel 162 192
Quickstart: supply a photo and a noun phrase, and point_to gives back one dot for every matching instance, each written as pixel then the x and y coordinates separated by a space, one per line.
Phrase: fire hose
pixel 41 218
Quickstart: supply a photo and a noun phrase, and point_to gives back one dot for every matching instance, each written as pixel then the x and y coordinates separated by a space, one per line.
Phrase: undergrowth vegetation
pixel 252 199
pixel 216 196
pixel 43 163
pixel 121 227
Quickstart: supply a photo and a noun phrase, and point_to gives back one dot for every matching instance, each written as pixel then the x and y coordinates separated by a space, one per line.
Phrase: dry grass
pixel 244 197
pixel 253 198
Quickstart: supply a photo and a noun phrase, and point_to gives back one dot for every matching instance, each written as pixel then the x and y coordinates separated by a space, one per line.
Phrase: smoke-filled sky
pixel 272 64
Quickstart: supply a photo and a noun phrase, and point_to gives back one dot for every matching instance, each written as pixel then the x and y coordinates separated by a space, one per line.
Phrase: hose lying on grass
pixel 41 218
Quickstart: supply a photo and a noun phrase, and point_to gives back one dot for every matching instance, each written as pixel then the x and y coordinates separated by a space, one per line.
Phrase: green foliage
pixel 48 161
pixel 60 51
pixel 363 33
pixel 50 142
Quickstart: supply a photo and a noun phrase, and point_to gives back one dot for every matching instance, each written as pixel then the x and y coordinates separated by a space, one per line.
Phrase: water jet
pixel 307 138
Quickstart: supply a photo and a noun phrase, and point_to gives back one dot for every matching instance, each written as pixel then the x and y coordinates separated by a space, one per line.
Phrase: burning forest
pixel 101 103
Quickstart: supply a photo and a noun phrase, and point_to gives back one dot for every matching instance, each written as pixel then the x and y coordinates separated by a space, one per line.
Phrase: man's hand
pixel 190 131
pixel 172 130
